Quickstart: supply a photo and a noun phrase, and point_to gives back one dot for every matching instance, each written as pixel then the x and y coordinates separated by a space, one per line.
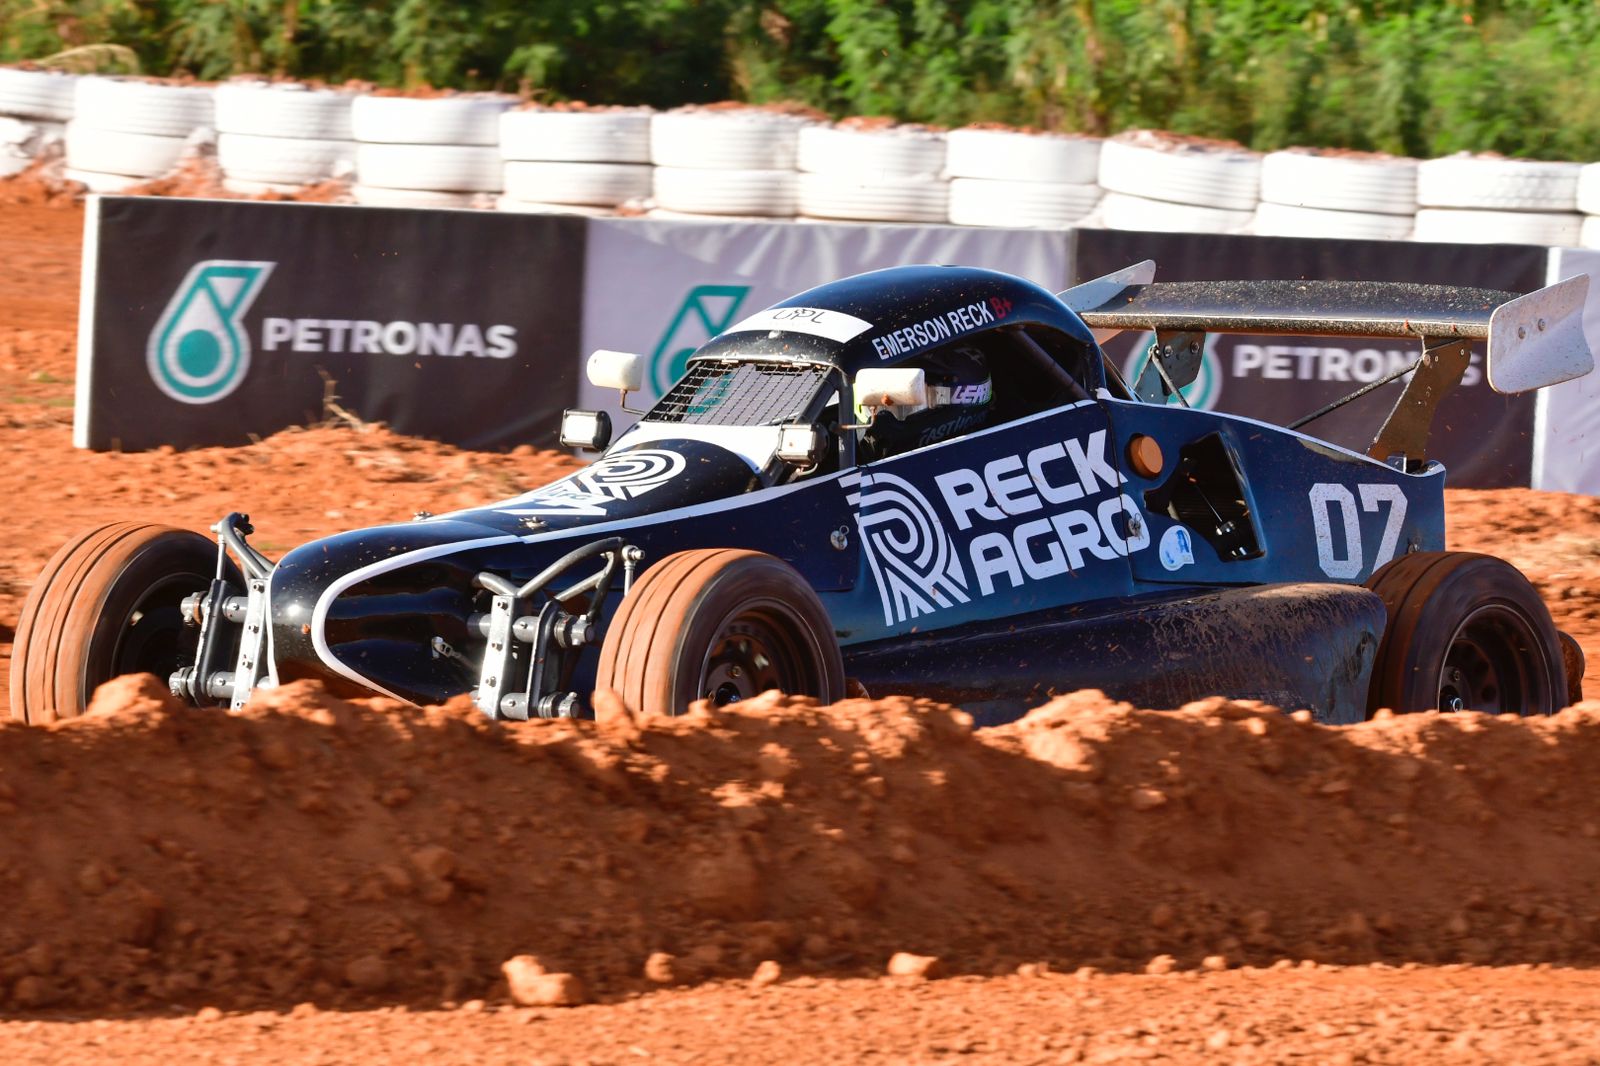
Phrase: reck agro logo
pixel 199 350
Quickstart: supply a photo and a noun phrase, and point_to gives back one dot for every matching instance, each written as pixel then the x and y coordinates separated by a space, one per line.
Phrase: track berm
pixel 368 851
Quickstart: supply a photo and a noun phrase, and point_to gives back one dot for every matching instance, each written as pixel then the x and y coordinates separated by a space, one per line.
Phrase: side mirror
pixel 802 444
pixel 590 430
pixel 903 387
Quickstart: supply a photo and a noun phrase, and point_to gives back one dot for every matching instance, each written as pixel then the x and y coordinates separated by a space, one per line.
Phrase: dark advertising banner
pixel 206 322
pixel 1483 438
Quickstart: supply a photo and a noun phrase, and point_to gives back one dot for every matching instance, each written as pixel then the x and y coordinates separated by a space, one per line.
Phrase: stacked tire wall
pixel 280 137
pixel 730 161
pixel 428 152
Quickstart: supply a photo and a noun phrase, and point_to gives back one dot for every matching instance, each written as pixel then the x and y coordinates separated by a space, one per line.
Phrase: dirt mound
pixel 314 848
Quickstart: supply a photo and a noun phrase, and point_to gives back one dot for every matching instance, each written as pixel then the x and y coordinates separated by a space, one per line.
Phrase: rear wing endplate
pixel 1534 340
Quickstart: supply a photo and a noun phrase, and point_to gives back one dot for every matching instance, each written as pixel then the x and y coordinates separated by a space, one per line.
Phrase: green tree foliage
pixel 1420 78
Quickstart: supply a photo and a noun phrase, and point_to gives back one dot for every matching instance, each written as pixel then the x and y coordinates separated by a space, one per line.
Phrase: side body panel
pixel 1295 646
pixel 1301 509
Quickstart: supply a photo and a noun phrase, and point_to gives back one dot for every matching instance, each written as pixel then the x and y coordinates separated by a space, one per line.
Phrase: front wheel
pixel 1465 632
pixel 722 625
pixel 107 604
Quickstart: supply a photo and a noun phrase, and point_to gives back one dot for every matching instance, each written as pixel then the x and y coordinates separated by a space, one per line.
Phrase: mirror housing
pixel 623 371
pixel 905 388
pixel 589 430
pixel 802 444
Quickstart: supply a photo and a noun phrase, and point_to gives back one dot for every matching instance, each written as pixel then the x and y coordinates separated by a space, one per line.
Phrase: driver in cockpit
pixel 960 400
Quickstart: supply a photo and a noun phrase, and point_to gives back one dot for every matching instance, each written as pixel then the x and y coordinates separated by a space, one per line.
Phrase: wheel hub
pixel 752 653
pixel 1487 665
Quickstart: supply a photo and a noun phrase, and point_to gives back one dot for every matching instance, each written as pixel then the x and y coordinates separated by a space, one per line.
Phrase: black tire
pixel 105 605
pixel 1465 632
pixel 720 624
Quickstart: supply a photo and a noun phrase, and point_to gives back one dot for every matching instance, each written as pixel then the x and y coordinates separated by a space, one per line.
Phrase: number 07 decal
pixel 1328 497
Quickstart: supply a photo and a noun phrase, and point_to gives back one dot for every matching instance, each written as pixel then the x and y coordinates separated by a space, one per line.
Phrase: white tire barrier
pixel 469 119
pixel 47 133
pixel 1006 155
pixel 532 207
pixel 734 139
pixel 770 193
pixel 594 184
pixel 872 155
pixel 1589 189
pixel 1180 171
pixel 619 136
pixel 894 200
pixel 243 187
pixel 138 155
pixel 1498 184
pixel 1589 236
pixel 694 216
pixel 430 167
pixel 377 196
pixel 1374 184
pixel 1121 211
pixel 1282 220
pixel 283 160
pixel 20 143
pixel 96 181
pixel 41 94
pixel 283 109
pixel 1498 227
pixel 153 109
pixel 1019 204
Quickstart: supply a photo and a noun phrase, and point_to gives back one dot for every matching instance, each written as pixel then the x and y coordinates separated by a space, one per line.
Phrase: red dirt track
pixel 315 880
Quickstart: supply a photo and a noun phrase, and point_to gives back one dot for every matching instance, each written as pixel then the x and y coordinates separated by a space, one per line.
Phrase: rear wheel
pixel 107 604
pixel 1465 632
pixel 722 625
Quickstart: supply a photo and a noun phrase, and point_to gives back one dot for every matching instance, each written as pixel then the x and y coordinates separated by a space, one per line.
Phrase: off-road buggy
pixel 740 537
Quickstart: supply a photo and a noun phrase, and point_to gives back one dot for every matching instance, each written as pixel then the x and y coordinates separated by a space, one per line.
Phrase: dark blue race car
pixel 922 480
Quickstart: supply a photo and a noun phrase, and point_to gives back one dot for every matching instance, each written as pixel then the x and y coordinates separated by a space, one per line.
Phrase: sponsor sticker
pixel 914 337
pixel 1177 548
pixel 590 491
pixel 813 321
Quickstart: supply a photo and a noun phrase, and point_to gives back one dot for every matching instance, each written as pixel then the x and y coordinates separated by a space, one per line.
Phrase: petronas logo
pixel 199 351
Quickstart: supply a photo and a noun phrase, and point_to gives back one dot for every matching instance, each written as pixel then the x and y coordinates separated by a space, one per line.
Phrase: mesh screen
pixel 739 394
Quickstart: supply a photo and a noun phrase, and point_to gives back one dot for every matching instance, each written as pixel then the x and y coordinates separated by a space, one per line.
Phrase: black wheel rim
pixel 154 638
pixel 755 649
pixel 1495 664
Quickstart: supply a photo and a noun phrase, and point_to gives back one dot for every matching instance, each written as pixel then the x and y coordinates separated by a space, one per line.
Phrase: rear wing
pixel 1534 340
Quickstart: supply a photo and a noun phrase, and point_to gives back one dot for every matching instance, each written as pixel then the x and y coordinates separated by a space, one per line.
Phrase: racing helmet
pixel 961 399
